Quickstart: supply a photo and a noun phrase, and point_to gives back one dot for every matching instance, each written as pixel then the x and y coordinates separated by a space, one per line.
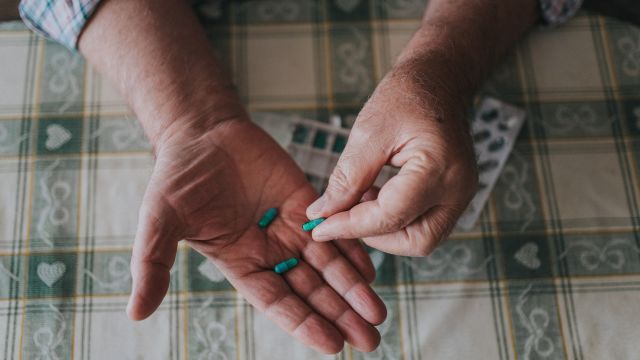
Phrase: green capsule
pixel 309 225
pixel 268 218
pixel 285 266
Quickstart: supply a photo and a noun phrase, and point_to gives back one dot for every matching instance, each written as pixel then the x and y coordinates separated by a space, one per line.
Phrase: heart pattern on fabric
pixel 50 273
pixel 210 271
pixel 57 136
pixel 527 256
pixel 347 5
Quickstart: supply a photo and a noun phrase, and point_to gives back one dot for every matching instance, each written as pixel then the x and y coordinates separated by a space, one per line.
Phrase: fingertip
pixel 138 310
pixel 134 312
pixel 361 335
pixel 319 237
pixel 380 315
pixel 368 304
pixel 331 349
pixel 147 294
pixel 372 344
pixel 377 314
pixel 325 231
pixel 314 210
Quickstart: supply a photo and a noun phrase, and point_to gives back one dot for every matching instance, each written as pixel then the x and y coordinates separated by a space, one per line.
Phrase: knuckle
pixel 434 229
pixel 440 227
pixel 419 244
pixel 390 219
pixel 393 222
pixel 423 158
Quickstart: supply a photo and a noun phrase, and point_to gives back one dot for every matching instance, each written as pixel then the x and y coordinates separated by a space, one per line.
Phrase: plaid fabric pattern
pixel 63 20
pixel 552 270
pixel 554 12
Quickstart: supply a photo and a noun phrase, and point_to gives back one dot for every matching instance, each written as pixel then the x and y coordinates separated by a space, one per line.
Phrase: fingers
pixel 338 272
pixel 270 293
pixel 306 282
pixel 356 170
pixel 354 251
pixel 420 237
pixel 154 252
pixel 357 255
pixel 401 200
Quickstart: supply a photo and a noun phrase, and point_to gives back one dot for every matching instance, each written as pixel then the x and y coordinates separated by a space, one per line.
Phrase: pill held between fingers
pixel 268 217
pixel 309 225
pixel 285 266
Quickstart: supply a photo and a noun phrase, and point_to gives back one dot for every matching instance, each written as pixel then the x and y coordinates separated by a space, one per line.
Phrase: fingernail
pixel 320 235
pixel 316 207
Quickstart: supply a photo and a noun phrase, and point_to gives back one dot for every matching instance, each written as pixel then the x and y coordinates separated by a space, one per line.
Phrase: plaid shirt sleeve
pixel 63 20
pixel 60 20
pixel 554 12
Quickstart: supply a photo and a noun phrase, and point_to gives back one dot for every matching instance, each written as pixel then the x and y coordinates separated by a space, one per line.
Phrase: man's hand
pixel 215 176
pixel 416 121
pixel 212 188
pixel 405 125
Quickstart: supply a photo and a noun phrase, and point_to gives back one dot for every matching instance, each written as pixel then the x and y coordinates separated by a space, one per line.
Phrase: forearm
pixel 158 56
pixel 463 40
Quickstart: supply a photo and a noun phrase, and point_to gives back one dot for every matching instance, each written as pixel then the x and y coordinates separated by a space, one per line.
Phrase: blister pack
pixel 494 128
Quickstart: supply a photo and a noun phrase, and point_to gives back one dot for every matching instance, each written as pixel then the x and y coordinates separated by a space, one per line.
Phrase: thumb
pixel 356 171
pixel 154 252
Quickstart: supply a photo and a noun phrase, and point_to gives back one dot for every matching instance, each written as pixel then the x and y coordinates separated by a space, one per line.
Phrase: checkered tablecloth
pixel 552 271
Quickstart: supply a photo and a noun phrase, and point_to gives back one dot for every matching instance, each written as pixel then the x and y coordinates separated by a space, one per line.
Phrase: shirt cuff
pixel 555 12
pixel 60 20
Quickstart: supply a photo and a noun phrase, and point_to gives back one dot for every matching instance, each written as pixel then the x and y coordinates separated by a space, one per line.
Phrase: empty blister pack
pixel 494 127
pixel 316 148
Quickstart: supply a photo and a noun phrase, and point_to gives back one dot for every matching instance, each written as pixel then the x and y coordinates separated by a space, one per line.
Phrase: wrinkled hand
pixel 211 187
pixel 407 124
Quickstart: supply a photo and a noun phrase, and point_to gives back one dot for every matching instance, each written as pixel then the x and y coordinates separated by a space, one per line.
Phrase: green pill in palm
pixel 309 225
pixel 268 218
pixel 285 266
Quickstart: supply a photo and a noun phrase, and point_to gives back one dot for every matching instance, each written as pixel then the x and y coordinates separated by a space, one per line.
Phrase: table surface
pixel 552 271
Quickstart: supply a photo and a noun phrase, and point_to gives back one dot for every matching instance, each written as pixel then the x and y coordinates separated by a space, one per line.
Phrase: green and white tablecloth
pixel 552 271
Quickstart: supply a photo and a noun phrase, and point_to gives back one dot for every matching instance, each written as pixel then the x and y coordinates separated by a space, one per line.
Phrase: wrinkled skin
pixel 412 123
pixel 211 186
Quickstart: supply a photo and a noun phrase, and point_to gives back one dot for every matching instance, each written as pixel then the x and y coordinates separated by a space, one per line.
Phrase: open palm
pixel 210 187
